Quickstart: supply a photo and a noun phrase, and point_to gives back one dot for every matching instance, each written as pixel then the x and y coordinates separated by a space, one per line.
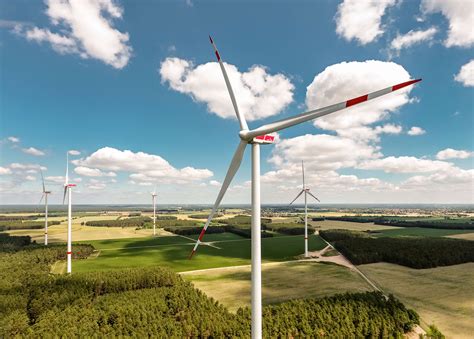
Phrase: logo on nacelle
pixel 264 139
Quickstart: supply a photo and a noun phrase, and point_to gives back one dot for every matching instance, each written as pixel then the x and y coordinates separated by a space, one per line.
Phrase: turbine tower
pixel 153 199
pixel 255 138
pixel 68 190
pixel 306 192
pixel 45 196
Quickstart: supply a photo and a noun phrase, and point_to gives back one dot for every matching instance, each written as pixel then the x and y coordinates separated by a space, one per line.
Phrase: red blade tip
pixel 405 84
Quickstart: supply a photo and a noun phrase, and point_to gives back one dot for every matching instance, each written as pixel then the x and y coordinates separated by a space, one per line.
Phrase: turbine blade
pixel 311 194
pixel 64 196
pixel 302 168
pixel 313 114
pixel 42 179
pixel 297 197
pixel 240 116
pixel 42 196
pixel 67 169
pixel 234 166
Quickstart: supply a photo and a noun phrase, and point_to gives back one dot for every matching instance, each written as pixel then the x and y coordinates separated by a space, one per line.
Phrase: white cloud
pixel 33 151
pixel 413 37
pixel 361 20
pixel 415 130
pixel 404 164
pixel 93 172
pixel 466 74
pixel 5 170
pixel 214 183
pixel 74 152
pixel 460 15
pixel 21 167
pixel 347 80
pixel 444 180
pixel 85 27
pixel 450 153
pixel 13 140
pixel 144 167
pixel 258 93
pixel 56 179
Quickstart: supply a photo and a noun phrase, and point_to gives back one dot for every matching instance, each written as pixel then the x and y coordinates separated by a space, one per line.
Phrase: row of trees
pixel 243 232
pixel 415 252
pixel 447 223
pixel 24 225
pixel 288 228
pixel 127 222
pixel 157 302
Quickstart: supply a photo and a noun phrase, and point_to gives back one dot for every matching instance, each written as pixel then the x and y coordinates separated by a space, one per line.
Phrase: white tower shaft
pixel 305 223
pixel 154 215
pixel 69 232
pixel 46 219
pixel 256 246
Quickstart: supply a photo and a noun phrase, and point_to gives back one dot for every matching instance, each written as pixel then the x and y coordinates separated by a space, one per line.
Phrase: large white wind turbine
pixel 306 191
pixel 45 196
pixel 68 190
pixel 256 137
pixel 153 199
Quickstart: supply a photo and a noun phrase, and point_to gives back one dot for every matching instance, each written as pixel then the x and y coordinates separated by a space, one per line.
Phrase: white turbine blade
pixel 67 169
pixel 64 196
pixel 42 179
pixel 311 194
pixel 234 166
pixel 297 197
pixel 302 168
pixel 310 115
pixel 240 116
pixel 42 196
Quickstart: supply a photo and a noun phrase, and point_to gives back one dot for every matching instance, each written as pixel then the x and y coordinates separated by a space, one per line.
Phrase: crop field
pixel 443 295
pixel 173 252
pixel 420 232
pixel 348 225
pixel 231 285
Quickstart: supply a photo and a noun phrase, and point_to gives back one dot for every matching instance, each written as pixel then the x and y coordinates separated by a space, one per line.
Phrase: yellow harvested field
pixel 443 296
pixel 280 282
pixel 466 236
pixel 58 233
pixel 355 226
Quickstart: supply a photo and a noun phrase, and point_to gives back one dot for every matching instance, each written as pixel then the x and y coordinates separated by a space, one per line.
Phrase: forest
pixel 415 252
pixel 24 225
pixel 157 302
pixel 447 223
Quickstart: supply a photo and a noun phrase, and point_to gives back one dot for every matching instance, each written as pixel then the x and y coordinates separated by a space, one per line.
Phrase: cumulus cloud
pixel 405 164
pixel 214 183
pixel 415 130
pixel 347 80
pixel 413 37
pixel 259 94
pixel 460 15
pixel 93 172
pixel 33 151
pixel 13 140
pixel 361 20
pixel 85 28
pixel 74 152
pixel 466 74
pixel 144 167
pixel 449 181
pixel 55 179
pixel 5 170
pixel 450 153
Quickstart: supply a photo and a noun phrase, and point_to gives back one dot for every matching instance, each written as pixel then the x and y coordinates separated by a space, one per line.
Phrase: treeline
pixel 422 252
pixel 155 302
pixel 243 232
pixel 288 228
pixel 204 216
pixel 127 222
pixel 24 225
pixel 398 221
pixel 20 217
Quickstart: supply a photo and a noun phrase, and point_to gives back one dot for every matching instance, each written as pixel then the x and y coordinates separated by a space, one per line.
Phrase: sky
pixel 132 90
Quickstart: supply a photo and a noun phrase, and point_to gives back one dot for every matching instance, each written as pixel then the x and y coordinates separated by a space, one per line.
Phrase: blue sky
pixel 141 77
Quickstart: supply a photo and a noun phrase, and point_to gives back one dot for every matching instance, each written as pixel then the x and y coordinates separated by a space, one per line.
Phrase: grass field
pixel 173 252
pixel 443 295
pixel 419 231
pixel 280 282
pixel 354 226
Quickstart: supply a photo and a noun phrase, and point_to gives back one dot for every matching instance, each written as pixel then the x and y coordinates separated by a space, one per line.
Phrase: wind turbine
pixel 306 192
pixel 255 137
pixel 68 190
pixel 45 196
pixel 153 199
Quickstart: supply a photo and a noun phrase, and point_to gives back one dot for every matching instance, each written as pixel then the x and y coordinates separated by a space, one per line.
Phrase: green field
pixel 419 232
pixel 443 295
pixel 173 252
pixel 231 285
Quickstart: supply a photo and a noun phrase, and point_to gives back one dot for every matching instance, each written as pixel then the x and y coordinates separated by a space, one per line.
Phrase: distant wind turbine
pixel 256 137
pixel 153 199
pixel 306 192
pixel 68 190
pixel 45 196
